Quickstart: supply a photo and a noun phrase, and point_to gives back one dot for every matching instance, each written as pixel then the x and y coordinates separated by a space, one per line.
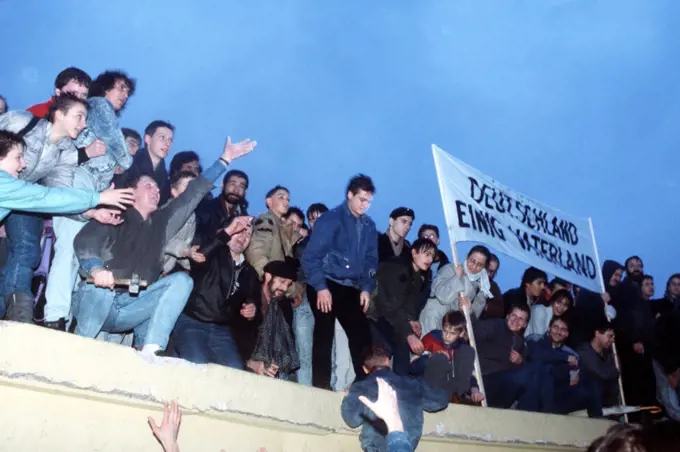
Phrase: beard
pixel 233 199
pixel 636 276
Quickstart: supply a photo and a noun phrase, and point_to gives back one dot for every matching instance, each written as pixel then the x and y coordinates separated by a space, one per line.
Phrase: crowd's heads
pixel 673 286
pixel 634 268
pixel 11 153
pixel 158 138
pixel 453 326
pixel 360 191
pixel 647 286
pixel 68 115
pixel 294 218
pixel 423 252
pixel 429 231
pixel 518 318
pixel 314 212
pixel 277 200
pixel 4 106
pixel 401 220
pixel 278 277
pixel 477 259
pixel 179 182
pixel 492 266
pixel 239 242
pixel 74 81
pixel 235 187
pixel 116 86
pixel 147 193
pixel 561 301
pixel 374 357
pixel 132 140
pixel 603 335
pixel 533 281
pixel 185 161
pixel 558 330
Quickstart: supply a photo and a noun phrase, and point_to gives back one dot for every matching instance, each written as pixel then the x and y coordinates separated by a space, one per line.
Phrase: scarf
pixel 275 343
pixel 482 278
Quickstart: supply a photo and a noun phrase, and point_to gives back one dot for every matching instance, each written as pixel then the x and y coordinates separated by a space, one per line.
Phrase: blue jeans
pixel 529 384
pixel 203 343
pixel 23 254
pixel 151 314
pixel 303 327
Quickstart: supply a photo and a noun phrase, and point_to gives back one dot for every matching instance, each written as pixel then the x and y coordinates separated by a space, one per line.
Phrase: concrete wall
pixel 61 392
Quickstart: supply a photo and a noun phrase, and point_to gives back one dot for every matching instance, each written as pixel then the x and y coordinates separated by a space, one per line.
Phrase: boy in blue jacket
pixel 413 396
pixel 340 263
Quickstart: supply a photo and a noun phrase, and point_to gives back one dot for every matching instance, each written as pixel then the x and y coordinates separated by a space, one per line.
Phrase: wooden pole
pixel 456 262
pixel 603 287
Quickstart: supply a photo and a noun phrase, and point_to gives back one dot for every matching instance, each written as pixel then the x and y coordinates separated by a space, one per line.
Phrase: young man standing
pixel 341 261
pixel 51 158
pixel 150 160
pixel 393 243
pixel 272 239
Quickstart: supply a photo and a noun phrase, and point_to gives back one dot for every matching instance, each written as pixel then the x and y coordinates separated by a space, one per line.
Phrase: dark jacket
pixel 588 311
pixel 138 245
pixel 142 165
pixel 398 297
pixel 413 395
pixel 555 357
pixel 385 251
pixel 494 343
pixel 634 320
pixel 221 288
pixel 211 216
pixel 344 249
pixel 515 297
pixel 598 367
pixel 495 307
pixel 667 347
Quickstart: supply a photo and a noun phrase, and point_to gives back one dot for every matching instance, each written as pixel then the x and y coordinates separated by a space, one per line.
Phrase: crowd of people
pixel 147 257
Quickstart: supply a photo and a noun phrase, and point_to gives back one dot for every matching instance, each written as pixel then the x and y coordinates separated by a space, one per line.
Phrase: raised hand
pixel 117 198
pixel 232 151
pixel 238 224
pixel 168 431
pixel 386 407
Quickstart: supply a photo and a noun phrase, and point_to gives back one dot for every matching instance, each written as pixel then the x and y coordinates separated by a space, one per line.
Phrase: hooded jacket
pixel 589 310
pixel 50 164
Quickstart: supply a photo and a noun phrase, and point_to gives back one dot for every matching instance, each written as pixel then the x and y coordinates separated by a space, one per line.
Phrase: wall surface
pixel 61 392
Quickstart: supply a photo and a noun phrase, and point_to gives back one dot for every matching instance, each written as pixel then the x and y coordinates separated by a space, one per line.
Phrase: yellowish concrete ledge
pixel 62 392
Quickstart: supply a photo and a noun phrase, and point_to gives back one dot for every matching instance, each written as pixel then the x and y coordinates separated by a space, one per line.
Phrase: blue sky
pixel 573 102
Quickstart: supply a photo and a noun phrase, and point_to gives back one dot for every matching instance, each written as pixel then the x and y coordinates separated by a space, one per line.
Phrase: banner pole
pixel 616 355
pixel 456 262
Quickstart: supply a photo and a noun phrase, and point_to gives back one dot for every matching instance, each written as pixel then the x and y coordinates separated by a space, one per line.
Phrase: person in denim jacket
pixel 340 262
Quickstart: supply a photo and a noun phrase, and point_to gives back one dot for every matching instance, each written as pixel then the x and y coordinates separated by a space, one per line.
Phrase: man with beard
pixel 635 337
pixel 274 353
pixel 225 295
pixel 393 243
pixel 215 214
pixel 136 247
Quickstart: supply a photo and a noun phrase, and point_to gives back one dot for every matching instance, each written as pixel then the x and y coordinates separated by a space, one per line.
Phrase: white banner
pixel 479 209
